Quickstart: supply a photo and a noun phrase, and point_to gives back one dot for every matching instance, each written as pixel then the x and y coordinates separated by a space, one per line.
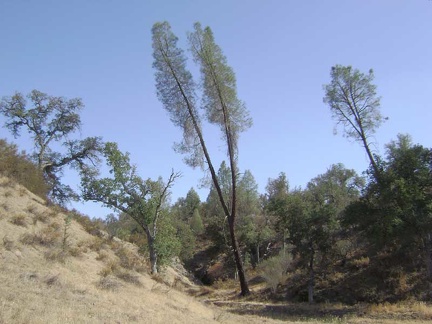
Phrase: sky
pixel 280 50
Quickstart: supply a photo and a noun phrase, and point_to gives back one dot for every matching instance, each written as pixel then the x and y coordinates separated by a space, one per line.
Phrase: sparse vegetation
pixel 19 220
pixel 18 167
pixel 8 243
pixel 46 237
pixel 275 270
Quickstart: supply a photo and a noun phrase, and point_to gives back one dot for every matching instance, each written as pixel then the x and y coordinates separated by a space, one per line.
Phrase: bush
pixel 274 270
pixel 93 227
pixel 45 237
pixel 19 167
pixel 19 220
pixel 130 260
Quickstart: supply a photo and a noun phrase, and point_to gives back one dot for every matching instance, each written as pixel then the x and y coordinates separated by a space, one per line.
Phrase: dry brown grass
pixel 46 237
pixel 8 243
pixel 19 220
pixel 36 290
pixel 408 310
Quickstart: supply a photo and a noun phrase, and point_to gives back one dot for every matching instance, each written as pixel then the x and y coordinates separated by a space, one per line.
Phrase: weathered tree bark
pixel 153 254
pixel 237 258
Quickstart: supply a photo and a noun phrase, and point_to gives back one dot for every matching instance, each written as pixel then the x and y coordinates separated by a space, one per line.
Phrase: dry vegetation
pixel 54 271
pixel 87 279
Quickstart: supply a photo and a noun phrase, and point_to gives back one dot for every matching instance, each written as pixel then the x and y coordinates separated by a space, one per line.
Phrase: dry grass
pixel 40 217
pixel 408 310
pixel 87 290
pixel 19 220
pixel 8 243
pixel 45 237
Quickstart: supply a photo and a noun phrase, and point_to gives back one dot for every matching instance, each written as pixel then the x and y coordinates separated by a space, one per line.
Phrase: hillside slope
pixel 53 271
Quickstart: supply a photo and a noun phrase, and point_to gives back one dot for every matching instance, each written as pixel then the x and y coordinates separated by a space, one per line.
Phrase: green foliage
pixel 354 104
pixel 167 244
pixel 196 223
pixel 185 207
pixel 396 212
pixel 177 91
pixel 311 219
pixel 19 167
pixel 187 240
pixel 51 120
pixel 142 200
pixel 221 105
pixel 353 101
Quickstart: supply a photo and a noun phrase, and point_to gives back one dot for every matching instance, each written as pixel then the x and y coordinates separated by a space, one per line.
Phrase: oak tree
pixel 143 200
pixel 51 120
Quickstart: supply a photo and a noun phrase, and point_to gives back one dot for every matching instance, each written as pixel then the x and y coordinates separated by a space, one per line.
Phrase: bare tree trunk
pixel 153 254
pixel 311 279
pixel 258 253
pixel 427 243
pixel 239 264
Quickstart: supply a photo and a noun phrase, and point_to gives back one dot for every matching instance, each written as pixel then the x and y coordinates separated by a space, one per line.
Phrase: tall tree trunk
pixel 239 264
pixel 258 253
pixel 311 279
pixel 427 246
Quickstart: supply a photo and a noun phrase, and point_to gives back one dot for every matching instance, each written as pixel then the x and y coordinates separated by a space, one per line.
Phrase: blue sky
pixel 280 50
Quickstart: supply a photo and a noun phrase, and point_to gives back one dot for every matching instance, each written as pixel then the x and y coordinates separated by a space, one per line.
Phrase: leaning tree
pixel 354 104
pixel 177 91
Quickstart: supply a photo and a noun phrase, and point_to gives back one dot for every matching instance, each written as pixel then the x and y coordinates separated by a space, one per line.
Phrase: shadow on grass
pixel 292 312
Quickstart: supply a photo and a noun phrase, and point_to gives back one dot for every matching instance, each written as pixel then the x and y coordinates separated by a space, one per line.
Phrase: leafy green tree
pixel 217 226
pixel 256 230
pixel 196 223
pixel 52 120
pixel 352 99
pixel 254 227
pixel 185 206
pixel 177 91
pixel 275 203
pixel 143 200
pixel 312 217
pixel 396 212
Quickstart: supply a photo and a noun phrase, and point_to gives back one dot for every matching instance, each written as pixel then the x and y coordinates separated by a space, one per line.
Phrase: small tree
pixel 196 223
pixel 51 120
pixel 354 105
pixel 143 200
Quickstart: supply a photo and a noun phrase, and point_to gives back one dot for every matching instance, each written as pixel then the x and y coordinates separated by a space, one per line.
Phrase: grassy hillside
pixel 53 271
